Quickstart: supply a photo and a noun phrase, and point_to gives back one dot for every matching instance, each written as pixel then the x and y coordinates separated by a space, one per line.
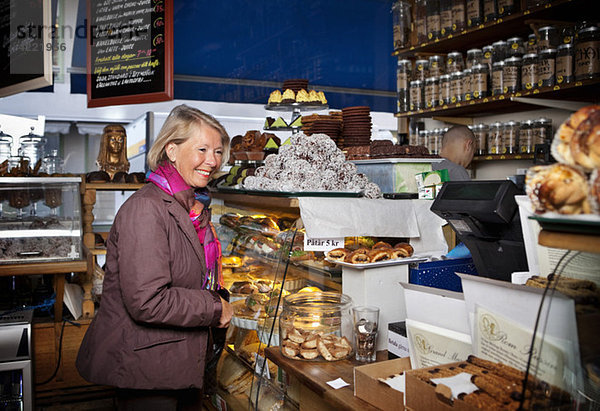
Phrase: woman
pixel 162 284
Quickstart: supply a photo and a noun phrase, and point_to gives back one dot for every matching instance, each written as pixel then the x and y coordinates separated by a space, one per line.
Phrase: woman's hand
pixel 226 314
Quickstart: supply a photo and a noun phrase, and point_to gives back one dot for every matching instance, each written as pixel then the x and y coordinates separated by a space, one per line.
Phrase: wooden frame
pixel 166 92
pixel 42 77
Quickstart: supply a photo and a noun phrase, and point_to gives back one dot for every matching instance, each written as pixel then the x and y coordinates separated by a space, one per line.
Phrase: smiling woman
pixel 163 293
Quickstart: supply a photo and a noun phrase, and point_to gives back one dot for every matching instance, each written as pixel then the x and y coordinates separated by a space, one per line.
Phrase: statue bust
pixel 113 150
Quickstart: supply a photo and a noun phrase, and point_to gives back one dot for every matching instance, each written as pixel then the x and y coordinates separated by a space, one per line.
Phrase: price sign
pixel 322 244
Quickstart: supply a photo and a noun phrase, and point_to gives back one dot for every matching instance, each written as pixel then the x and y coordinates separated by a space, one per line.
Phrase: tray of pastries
pixel 381 254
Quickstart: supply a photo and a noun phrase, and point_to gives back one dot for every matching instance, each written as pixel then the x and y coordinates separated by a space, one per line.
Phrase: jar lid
pixel 423 132
pixel 456 74
pixel 591 28
pixel 546 28
pixel 445 77
pixel 498 64
pixel 421 62
pixel 532 36
pixel 404 62
pixel 31 137
pixel 480 67
pixel 455 54
pixel 436 57
pixel 565 46
pixel 416 82
pixel 515 40
pixel 547 51
pixel 467 71
pixel 480 126
pixel 432 79
pixel 488 48
pixel 497 124
pixel 543 120
pixel 514 59
pixel 530 56
pixel 473 51
pixel 512 123
pixel 527 123
pixel 499 43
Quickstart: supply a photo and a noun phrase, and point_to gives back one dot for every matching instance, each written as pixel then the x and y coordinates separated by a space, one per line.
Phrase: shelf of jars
pixel 511 25
pixel 493 157
pixel 583 91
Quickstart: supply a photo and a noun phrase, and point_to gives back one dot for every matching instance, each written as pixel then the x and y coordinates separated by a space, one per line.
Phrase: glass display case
pixel 40 219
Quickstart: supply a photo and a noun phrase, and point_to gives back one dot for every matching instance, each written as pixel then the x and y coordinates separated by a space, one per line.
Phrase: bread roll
pixel 337 254
pixel 381 254
pixel 559 187
pixel 576 139
pixel 404 250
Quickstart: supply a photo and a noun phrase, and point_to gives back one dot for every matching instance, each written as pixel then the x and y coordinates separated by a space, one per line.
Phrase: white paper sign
pixel 500 339
pixel 322 244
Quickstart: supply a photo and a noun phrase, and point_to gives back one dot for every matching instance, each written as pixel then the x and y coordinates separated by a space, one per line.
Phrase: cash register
pixel 485 217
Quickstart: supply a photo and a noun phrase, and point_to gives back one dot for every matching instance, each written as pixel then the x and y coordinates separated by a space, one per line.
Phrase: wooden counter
pixel 312 377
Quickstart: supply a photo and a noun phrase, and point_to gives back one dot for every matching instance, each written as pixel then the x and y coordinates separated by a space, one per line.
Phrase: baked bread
pixel 403 250
pixel 382 244
pixel 558 187
pixel 337 254
pixel 595 191
pixel 357 257
pixel 577 141
pixel 381 254
pixel 100 176
pixel 275 97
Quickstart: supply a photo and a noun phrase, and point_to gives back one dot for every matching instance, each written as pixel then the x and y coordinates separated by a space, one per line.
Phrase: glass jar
pixel 565 55
pixel 52 163
pixel 403 76
pixel 587 53
pixel 423 138
pixel 480 131
pixel 488 52
pixel 432 91
pixel 324 316
pixel 500 51
pixel 474 13
pixel 445 90
pixel 497 83
pixel 434 23
pixel 456 87
pixel 446 17
pixel 529 70
pixel 436 66
pixel 421 20
pixel 5 146
pixel 510 137
pixel 32 146
pixel 479 82
pixel 434 142
pixel 511 75
pixel 459 21
pixel 454 62
pixel 401 19
pixel 467 84
pixel 474 56
pixel 532 47
pixel 495 142
pixel 567 35
pixel 548 37
pixel 542 130
pixel 421 70
pixel 507 7
pixel 416 95
pixel 516 47
pixel 526 138
pixel 547 68
pixel 490 10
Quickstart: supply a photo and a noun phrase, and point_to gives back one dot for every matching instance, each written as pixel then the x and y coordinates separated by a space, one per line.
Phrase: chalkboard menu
pixel 130 51
pixel 25 45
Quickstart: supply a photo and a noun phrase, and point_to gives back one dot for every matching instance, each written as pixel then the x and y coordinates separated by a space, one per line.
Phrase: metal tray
pixel 398 261
pixel 582 223
pixel 290 194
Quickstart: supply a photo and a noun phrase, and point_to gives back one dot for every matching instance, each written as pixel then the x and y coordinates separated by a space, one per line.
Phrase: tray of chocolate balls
pixel 380 255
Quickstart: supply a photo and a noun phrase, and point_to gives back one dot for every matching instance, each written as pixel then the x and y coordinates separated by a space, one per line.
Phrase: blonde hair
pixel 177 129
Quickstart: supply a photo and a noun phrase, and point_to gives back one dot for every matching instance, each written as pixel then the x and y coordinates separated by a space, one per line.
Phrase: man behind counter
pixel 458 148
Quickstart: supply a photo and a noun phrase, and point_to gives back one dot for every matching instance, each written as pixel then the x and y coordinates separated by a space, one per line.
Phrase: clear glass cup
pixel 366 321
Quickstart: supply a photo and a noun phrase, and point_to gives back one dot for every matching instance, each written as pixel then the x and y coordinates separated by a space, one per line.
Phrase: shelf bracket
pixel 559 104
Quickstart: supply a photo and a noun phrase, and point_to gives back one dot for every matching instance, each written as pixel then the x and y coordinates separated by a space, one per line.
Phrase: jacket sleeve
pixel 141 242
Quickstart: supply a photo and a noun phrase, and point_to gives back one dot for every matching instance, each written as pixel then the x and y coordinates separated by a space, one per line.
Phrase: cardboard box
pixel 423 396
pixel 431 178
pixel 368 388
pixel 397 340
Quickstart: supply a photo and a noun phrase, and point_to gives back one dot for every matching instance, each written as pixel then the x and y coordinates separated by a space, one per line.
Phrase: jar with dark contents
pixel 423 138
pixel 445 90
pixel 454 62
pixel 421 20
pixel 495 144
pixel 542 131
pixel 401 17
pixel 511 75
pixel 587 53
pixel 516 47
pixel 507 7
pixel 532 47
pixel 526 138
pixel 510 136
pixel 548 37
pixel 459 20
pixel 403 76
pixel 416 95
pixel 474 56
pixel 490 10
pixel 488 52
pixel 480 80
pixel 467 84
pixel 480 131
pixel 434 23
pixel 432 91
pixel 547 68
pixel 434 141
pixel 565 56
pixel 497 83
pixel 500 51
pixel 567 35
pixel 446 17
pixel 421 71
pixel 474 13
pixel 456 87
pixel 529 70
pixel 436 66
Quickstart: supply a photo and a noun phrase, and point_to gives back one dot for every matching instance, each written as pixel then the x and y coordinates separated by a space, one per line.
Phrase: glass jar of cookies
pixel 316 326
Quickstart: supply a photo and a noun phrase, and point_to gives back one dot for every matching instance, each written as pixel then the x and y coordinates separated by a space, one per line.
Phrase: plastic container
pixel 454 62
pixel 500 51
pixel 511 75
pixel 507 7
pixel 516 47
pixel 442 274
pixel 421 20
pixel 547 68
pixel 456 87
pixel 474 13
pixel 495 143
pixel 434 20
pixel 432 92
pixel 526 137
pixel 436 66
pixel 5 146
pixel 446 17
pixel 459 20
pixel 467 84
pixel 510 136
pixel 565 56
pixel 421 71
pixel 542 130
pixel 474 56
pixel 497 83
pixel 416 95
pixel 403 76
pixel 316 326
pixel 401 18
pixel 481 134
pixel 490 10
pixel 532 47
pixel 445 90
pixel 587 58
pixel 480 81
pixel 548 37
pixel 529 72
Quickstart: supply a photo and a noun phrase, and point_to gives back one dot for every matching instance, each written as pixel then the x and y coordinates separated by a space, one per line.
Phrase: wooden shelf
pixel 246 201
pixel 112 186
pixel 62 267
pixel 516 24
pixel 502 157
pixel 587 90
pixel 570 241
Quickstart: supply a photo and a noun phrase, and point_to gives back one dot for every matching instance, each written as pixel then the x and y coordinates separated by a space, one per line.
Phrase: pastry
pixel 288 96
pixel 559 187
pixel 275 97
pixel 302 96
pixel 585 142
pixel 381 254
pixel 313 97
pixel 382 244
pixel 337 254
pixel 100 176
pixel 403 250
pixel 357 257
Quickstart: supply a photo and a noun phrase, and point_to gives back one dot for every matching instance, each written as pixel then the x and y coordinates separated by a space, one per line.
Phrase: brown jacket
pixel 151 329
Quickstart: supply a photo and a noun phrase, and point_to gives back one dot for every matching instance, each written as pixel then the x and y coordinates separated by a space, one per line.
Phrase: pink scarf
pixel 196 203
